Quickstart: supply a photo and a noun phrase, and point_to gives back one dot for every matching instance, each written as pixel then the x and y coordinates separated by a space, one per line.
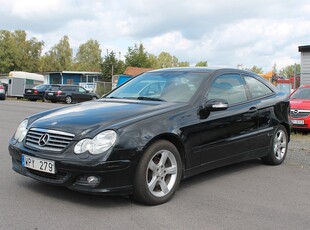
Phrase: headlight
pixel 21 131
pixel 99 144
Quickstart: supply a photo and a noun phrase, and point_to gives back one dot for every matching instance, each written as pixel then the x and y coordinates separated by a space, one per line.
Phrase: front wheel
pixel 158 173
pixel 279 147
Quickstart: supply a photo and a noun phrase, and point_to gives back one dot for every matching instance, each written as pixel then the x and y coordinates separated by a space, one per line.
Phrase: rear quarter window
pixel 257 88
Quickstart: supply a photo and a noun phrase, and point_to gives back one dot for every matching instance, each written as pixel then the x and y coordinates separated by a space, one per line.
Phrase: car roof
pixel 60 85
pixel 200 70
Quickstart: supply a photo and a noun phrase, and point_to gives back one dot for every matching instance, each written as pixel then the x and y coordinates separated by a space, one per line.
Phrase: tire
pixel 158 174
pixel 278 148
pixel 68 100
pixel 94 98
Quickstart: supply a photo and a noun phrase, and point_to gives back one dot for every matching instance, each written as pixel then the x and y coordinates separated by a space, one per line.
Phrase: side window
pixel 257 88
pixel 82 90
pixel 229 87
pixel 72 89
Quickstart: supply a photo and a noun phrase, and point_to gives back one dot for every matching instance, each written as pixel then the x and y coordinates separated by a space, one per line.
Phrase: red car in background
pixel 300 108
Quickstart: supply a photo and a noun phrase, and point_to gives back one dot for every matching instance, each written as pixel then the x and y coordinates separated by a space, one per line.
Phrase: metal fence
pixel 103 87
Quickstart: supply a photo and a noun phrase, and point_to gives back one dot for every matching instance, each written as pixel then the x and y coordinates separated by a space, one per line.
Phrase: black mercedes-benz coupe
pixel 144 137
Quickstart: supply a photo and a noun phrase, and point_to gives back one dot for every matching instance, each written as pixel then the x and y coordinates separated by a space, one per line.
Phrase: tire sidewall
pixel 66 99
pixel 272 156
pixel 141 190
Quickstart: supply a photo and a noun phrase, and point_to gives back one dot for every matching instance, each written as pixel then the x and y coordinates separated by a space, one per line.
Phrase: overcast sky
pixel 221 32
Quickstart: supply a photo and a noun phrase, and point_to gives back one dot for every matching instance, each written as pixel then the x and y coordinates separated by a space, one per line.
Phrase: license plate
pixel 298 122
pixel 50 94
pixel 38 164
pixel 29 91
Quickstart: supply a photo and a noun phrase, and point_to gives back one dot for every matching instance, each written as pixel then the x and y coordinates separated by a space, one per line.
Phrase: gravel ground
pixel 299 151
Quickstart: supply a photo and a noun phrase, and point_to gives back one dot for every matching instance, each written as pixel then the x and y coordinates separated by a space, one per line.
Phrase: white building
pixel 304 64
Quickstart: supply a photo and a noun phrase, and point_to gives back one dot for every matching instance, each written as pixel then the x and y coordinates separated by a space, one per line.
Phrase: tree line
pixel 17 53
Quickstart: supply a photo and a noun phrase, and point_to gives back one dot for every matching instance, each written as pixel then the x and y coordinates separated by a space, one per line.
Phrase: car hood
pixel 101 114
pixel 300 104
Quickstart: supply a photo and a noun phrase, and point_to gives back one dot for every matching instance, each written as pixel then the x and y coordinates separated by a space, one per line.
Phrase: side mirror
pixel 212 105
pixel 216 105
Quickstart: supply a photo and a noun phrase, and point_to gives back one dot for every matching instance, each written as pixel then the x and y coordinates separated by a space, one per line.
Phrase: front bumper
pixel 116 177
pixel 300 123
pixel 33 96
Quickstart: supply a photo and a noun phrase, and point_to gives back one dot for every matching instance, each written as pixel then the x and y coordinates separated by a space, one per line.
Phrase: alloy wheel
pixel 279 144
pixel 162 173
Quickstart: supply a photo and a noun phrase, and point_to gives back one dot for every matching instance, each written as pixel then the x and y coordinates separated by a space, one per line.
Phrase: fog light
pixel 93 180
pixel 87 181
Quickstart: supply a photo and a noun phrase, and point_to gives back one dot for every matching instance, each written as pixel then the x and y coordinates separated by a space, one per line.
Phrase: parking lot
pixel 247 195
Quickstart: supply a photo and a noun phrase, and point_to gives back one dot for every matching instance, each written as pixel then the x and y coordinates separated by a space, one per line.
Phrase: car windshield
pixel 301 93
pixel 161 86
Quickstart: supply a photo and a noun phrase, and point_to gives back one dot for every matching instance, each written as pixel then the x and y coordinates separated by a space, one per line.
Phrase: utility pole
pixel 295 75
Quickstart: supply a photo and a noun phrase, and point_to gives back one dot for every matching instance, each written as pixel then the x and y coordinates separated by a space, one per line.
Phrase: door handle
pixel 253 109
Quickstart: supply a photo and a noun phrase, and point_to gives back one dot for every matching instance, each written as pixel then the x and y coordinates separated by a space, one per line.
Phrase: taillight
pixel 59 92
pixel 1 87
pixel 35 91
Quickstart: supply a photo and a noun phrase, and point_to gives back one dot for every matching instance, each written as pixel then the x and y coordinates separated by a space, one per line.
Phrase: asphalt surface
pixel 247 195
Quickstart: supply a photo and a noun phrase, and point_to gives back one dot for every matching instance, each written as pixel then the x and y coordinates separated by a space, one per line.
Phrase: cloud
pixel 221 32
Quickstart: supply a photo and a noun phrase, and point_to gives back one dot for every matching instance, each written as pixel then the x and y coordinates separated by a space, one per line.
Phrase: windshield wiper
pixel 150 99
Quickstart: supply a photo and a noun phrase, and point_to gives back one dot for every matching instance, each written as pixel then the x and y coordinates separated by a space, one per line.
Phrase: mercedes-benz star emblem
pixel 295 111
pixel 44 139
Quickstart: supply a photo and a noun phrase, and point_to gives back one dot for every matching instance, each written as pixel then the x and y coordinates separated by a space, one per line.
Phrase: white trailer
pixel 18 81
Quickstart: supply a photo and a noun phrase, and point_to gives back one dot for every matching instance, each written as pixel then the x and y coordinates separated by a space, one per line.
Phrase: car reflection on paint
pixel 144 137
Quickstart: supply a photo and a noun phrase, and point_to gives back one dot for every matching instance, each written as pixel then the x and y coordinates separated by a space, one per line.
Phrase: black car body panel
pixel 37 92
pixel 205 139
pixel 59 93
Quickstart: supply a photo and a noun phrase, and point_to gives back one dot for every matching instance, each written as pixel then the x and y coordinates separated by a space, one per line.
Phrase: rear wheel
pixel 68 99
pixel 94 98
pixel 158 173
pixel 279 146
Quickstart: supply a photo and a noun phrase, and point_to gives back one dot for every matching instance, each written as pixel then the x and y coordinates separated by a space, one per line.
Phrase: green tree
pixel 59 58
pixel 137 57
pixel 288 71
pixel 166 60
pixel 183 64
pixel 255 69
pixel 18 53
pixel 88 56
pixel 111 66
pixel 202 64
pixel 153 61
pixel 120 67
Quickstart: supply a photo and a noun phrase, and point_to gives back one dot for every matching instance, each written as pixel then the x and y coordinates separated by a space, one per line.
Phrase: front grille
pixel 295 113
pixel 59 177
pixel 50 140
